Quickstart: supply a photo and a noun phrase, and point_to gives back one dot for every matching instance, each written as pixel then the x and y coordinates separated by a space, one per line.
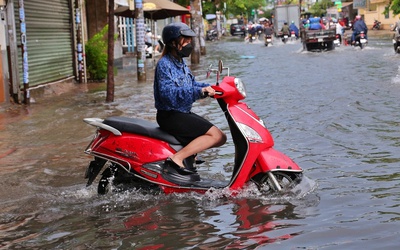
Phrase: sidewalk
pixel 384 34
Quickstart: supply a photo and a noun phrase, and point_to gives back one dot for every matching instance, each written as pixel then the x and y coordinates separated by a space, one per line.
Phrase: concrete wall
pixel 96 14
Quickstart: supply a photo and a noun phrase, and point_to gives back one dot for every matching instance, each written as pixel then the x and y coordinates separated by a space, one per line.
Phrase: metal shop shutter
pixel 49 40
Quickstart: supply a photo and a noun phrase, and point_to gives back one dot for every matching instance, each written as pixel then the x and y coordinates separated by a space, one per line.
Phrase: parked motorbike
pixel 360 40
pixel 377 25
pixel 212 35
pixel 267 40
pixel 149 51
pixel 134 150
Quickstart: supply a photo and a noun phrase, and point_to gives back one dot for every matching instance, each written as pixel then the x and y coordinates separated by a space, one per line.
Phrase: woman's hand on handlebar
pixel 209 91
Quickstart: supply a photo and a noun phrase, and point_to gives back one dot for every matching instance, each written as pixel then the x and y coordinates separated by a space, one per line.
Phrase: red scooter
pixel 134 151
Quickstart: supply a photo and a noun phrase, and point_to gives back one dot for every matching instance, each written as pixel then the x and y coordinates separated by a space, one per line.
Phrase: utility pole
pixel 197 26
pixel 110 52
pixel 25 65
pixel 140 46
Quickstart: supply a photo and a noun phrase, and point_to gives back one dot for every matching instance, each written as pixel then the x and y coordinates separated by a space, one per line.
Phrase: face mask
pixel 186 50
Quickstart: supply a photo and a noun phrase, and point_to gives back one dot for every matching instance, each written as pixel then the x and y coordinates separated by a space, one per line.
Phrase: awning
pixel 333 10
pixel 121 2
pixel 346 4
pixel 377 1
pixel 211 16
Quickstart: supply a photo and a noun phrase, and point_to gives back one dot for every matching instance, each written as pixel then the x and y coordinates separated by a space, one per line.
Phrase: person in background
pixel 268 29
pixel 285 29
pixel 294 28
pixel 148 38
pixel 358 26
pixel 175 91
pixel 306 23
pixel 251 29
pixel 396 29
pixel 321 22
pixel 342 23
pixel 339 30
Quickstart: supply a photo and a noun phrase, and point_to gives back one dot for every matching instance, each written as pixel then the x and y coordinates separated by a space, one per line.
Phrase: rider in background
pixel 358 26
pixel 285 29
pixel 396 27
pixel 339 30
pixel 268 31
pixel 251 29
pixel 294 28
pixel 148 38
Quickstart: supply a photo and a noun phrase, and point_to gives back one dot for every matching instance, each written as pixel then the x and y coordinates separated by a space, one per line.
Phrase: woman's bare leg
pixel 213 138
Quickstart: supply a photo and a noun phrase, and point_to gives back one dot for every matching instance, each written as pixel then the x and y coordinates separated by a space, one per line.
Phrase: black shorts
pixel 184 126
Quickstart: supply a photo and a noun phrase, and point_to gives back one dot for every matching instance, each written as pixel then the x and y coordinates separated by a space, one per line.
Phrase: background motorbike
pixel 284 37
pixel 293 36
pixel 338 40
pixel 360 40
pixel 212 35
pixel 134 151
pixel 267 39
pixel 149 51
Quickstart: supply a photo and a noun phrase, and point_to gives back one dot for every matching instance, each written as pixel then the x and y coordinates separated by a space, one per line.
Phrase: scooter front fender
pixel 273 160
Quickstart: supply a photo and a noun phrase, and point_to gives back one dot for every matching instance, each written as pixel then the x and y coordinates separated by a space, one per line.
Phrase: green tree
pixel 395 7
pixel 234 7
pixel 319 8
pixel 237 7
pixel 96 49
pixel 96 55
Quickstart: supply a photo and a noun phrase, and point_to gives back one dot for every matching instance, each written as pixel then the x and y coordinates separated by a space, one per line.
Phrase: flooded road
pixel 335 113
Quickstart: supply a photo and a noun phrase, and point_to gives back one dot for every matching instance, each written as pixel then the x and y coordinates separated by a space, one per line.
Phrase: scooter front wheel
pixel 283 181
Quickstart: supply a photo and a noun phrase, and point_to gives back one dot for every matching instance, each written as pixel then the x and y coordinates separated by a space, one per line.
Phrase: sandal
pixel 181 170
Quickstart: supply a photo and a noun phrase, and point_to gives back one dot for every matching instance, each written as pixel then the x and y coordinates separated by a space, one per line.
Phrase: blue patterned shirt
pixel 174 85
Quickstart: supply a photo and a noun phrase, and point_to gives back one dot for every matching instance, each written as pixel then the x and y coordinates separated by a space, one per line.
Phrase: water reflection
pixel 203 224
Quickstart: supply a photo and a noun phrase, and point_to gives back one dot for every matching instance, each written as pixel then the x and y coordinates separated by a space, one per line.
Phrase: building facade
pixel 43 41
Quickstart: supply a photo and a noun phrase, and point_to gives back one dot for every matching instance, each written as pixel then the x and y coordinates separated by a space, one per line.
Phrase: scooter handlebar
pixel 217 92
pixel 205 94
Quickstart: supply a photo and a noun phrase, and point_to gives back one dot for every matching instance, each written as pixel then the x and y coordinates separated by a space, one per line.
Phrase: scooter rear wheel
pixel 107 178
pixel 104 183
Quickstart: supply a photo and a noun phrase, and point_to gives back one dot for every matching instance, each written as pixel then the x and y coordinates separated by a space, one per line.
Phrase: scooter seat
pixel 141 127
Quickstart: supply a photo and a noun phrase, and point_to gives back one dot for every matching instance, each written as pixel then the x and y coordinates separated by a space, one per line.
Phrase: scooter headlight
pixel 250 133
pixel 240 87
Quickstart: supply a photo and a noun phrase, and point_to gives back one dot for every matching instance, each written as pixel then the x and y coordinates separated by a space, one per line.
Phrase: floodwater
pixel 335 113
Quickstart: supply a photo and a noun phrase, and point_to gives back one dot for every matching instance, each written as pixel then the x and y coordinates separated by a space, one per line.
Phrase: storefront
pixel 40 43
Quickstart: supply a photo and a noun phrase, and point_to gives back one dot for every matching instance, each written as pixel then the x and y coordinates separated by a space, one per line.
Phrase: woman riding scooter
pixel 175 90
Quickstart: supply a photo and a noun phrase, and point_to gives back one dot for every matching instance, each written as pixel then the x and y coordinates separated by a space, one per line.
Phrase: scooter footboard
pixel 273 160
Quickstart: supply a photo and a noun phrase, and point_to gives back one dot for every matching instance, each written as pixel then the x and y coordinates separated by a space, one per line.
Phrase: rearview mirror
pixel 220 66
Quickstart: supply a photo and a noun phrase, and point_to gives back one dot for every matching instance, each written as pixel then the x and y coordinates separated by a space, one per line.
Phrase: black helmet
pixel 174 30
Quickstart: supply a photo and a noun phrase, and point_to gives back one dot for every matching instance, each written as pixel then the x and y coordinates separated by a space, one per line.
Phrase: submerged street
pixel 335 113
